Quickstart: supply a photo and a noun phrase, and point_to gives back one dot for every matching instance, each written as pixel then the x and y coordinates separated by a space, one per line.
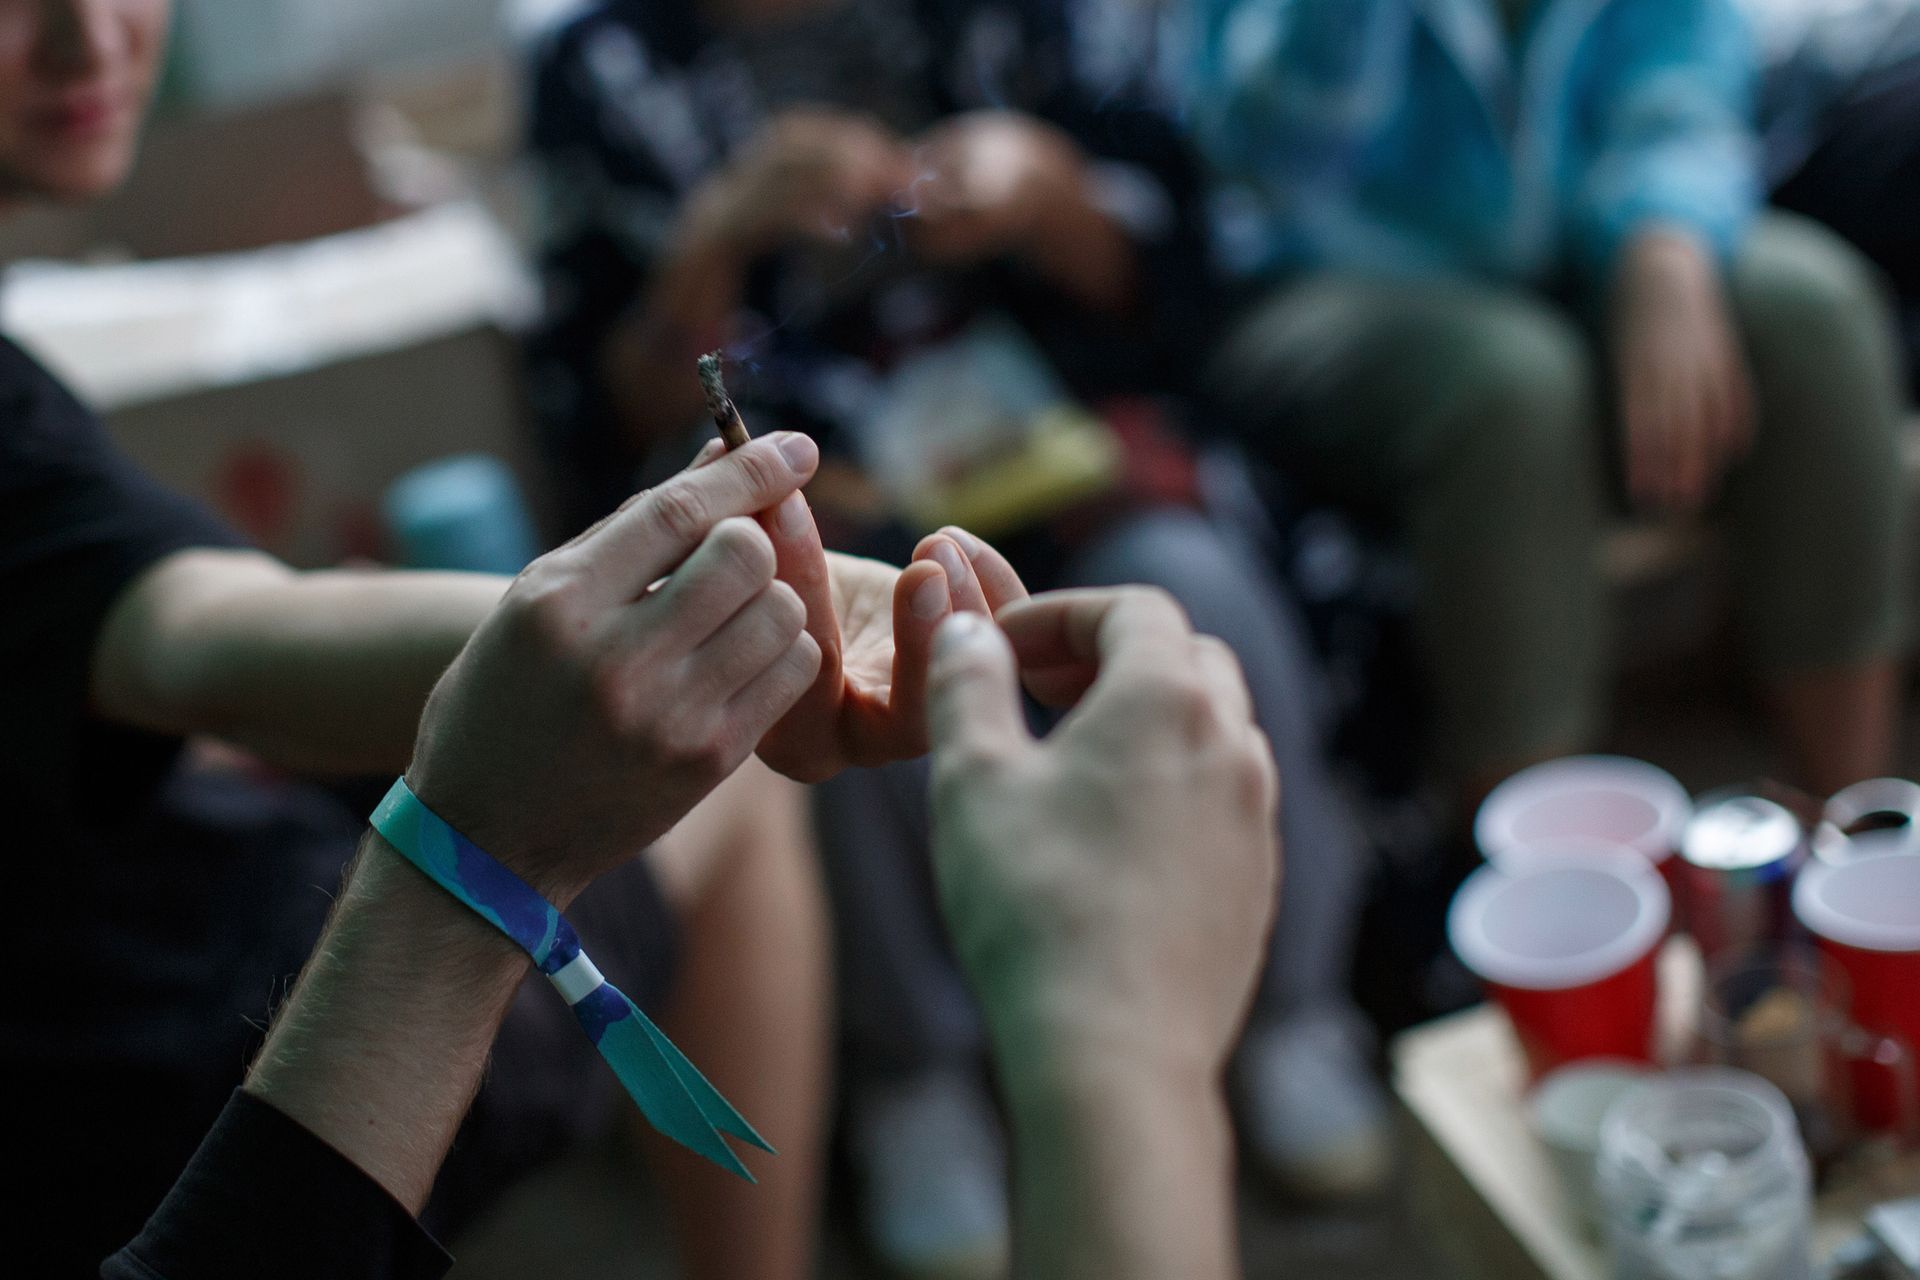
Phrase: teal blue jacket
pixel 1415 137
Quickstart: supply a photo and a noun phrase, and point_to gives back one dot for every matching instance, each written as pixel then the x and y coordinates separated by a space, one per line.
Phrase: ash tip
pixel 711 383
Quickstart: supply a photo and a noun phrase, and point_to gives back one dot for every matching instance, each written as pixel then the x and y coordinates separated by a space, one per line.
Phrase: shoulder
pixel 20 373
pixel 40 419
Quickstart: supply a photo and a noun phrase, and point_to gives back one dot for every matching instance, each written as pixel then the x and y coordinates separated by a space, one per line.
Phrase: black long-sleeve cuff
pixel 264 1197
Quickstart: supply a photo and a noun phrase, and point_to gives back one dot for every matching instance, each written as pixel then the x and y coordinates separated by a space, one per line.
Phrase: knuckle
pixel 810 655
pixel 973 664
pixel 1199 711
pixel 961 769
pixel 1229 677
pixel 680 512
pixel 744 549
pixel 543 606
pixel 764 471
pixel 787 612
pixel 1158 600
pixel 1214 649
pixel 695 742
pixel 802 660
pixel 609 689
pixel 1181 696
pixel 1249 780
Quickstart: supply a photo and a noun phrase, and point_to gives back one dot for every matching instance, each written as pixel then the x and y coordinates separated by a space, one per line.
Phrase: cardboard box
pixel 287 387
pixel 299 462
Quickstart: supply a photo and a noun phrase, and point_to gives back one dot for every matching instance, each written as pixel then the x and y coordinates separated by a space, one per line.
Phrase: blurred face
pixel 75 76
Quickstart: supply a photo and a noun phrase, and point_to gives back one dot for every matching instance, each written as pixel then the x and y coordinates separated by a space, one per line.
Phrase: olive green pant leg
pixel 1817 511
pixel 1466 415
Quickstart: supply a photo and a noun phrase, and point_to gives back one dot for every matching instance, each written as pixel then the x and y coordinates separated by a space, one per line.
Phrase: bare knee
pixel 755 814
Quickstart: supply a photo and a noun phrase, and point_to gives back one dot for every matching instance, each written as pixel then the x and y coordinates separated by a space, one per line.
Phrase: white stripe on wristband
pixel 576 979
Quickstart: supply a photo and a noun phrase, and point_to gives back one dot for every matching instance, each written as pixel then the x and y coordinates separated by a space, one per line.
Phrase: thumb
pixel 973 707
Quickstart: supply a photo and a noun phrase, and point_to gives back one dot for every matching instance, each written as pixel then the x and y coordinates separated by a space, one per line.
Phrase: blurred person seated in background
pixel 1840 128
pixel 1511 269
pixel 165 903
pixel 899 218
pixel 1109 890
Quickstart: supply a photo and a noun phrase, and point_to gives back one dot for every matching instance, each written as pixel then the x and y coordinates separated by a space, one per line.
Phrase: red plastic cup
pixel 1584 801
pixel 1866 915
pixel 1566 943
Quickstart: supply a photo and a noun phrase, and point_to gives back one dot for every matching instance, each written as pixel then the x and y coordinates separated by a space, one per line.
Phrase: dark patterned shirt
pixel 635 102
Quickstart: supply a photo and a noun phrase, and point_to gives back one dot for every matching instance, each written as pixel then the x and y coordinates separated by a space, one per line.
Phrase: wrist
pixel 1122 1168
pixel 1087 1079
pixel 379 1048
pixel 395 907
pixel 542 863
pixel 1049 1047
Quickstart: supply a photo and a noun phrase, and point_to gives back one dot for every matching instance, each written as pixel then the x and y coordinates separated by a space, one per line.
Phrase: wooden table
pixel 1485 1190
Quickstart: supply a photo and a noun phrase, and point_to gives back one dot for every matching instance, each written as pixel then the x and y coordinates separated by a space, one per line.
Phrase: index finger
pixel 654 531
pixel 998 580
pixel 1095 629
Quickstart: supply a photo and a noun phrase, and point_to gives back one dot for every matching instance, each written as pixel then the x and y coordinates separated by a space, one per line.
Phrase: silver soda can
pixel 1736 868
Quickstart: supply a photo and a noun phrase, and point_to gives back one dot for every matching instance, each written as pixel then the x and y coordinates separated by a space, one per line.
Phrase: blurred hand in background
pixel 1686 398
pixel 985 183
pixel 808 175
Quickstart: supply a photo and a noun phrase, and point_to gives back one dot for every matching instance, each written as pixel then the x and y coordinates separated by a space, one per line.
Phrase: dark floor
pixel 594 1218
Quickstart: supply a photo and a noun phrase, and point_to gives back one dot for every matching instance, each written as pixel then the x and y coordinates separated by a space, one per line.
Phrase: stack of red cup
pixel 1567 942
pixel 1866 915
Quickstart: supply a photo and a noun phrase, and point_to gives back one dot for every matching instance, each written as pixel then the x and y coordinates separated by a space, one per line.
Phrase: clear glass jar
pixel 1702 1176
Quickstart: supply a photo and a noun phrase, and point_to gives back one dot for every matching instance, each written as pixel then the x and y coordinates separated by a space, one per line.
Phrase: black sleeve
pixel 264 1197
pixel 78 522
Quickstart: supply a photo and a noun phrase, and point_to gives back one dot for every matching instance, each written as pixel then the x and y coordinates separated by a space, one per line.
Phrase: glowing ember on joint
pixel 720 404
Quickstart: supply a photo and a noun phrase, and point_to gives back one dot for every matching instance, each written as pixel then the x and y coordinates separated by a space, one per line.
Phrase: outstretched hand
pixel 874 626
pixel 1112 883
pixel 1686 396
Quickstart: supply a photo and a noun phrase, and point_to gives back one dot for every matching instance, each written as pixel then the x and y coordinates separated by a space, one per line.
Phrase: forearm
pixel 1122 1171
pixel 324 671
pixel 382 1044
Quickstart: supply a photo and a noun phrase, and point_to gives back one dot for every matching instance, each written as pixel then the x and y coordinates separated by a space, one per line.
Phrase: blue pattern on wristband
pixel 671 1092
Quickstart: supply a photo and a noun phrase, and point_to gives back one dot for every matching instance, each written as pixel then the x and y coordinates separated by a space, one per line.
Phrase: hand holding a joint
pixel 624 675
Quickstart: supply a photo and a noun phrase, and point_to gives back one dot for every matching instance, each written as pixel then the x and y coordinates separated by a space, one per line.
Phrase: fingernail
pixel 968 543
pixel 929 599
pixel 791 515
pixel 960 631
pixel 799 450
pixel 948 557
